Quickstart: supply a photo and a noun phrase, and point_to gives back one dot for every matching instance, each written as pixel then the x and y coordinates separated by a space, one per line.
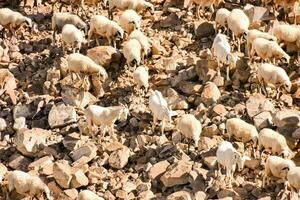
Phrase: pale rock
pixel 252 164
pixel 220 110
pixel 286 117
pixel 2 124
pixel 79 179
pixel 176 137
pixel 210 161
pixel 7 79
pixel 3 171
pixel 61 115
pixel 210 93
pixel 146 195
pixel 62 173
pixel 182 195
pixel 23 110
pixel 18 161
pixel 158 169
pixel 169 64
pixel 128 186
pixel 263 120
pixel 157 48
pixel 210 131
pixel 287 99
pixel 189 88
pixel 258 103
pixel 77 97
pixel 43 165
pixel 119 159
pixel 74 141
pixel 206 69
pixel 104 55
pixel 84 154
pixel 71 193
pixel 19 123
pixel 200 195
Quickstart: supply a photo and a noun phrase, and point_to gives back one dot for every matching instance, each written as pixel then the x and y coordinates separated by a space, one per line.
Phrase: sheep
pixel 72 35
pixel 190 127
pixel 159 107
pixel 88 195
pixel 144 41
pixel 60 19
pixel 268 49
pixel 228 157
pixel 105 28
pixel 79 3
pixel 221 49
pixel 202 4
pixel 293 178
pixel 12 20
pixel 136 5
pixel 238 23
pixel 277 167
pixel 221 17
pixel 271 74
pixel 132 50
pixel 140 77
pixel 130 21
pixel 105 116
pixel 270 139
pixel 253 34
pixel 78 63
pixel 242 131
pixel 26 184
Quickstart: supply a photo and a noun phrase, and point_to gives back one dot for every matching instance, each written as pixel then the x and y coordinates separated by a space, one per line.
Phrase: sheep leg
pixel 227 73
pixel 54 36
pixel 163 126
pixel 219 170
pixel 154 122
pixel 64 48
pixel 198 11
pixel 211 8
pixel 239 44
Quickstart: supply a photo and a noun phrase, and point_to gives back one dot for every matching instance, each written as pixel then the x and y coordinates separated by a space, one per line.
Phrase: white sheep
pixel 228 157
pixel 253 34
pixel 144 41
pixel 140 77
pixel 270 139
pixel 73 36
pixel 238 22
pixel 26 184
pixel 293 178
pixel 105 116
pixel 61 19
pixel 88 195
pixel 202 4
pixel 159 108
pixel 277 167
pixel 132 50
pixel 267 49
pixel 190 127
pixel 105 28
pixel 78 63
pixel 221 49
pixel 130 21
pixel 12 20
pixel 270 74
pixel 221 17
pixel 136 5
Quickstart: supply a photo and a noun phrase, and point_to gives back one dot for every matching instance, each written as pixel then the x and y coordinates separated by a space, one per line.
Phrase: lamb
pixel 242 131
pixel 270 139
pixel 26 184
pixel 159 107
pixel 140 77
pixel 190 127
pixel 202 4
pixel 105 116
pixel 130 21
pixel 132 52
pixel 268 73
pixel 88 195
pixel 221 17
pixel 72 35
pixel 105 28
pixel 79 63
pixel 253 34
pixel 61 19
pixel 293 178
pixel 268 49
pixel 238 23
pixel 136 5
pixel 228 157
pixel 144 41
pixel 277 167
pixel 12 20
pixel 221 49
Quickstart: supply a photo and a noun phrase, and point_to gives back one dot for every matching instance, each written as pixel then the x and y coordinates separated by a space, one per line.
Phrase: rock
pixel 43 165
pixel 146 195
pixel 19 123
pixel 19 162
pixel 30 141
pixel 62 173
pixel 25 110
pixel 296 134
pixel 204 28
pixel 263 120
pixel 210 93
pixel 210 131
pixel 200 195
pixel 176 101
pixel 79 179
pixel 182 195
pixel 177 174
pixel 77 97
pixel 220 110
pixel 157 48
pixel 256 14
pixel 119 159
pixel 210 161
pixel 61 115
pixel 74 141
pixel 287 117
pixel 169 64
pixel 7 80
pixel 170 21
pixel 176 137
pixel 206 69
pixel 258 103
pixel 2 124
pixel 72 193
pixel 158 169
pixel 84 154
pixel 252 164
pixel 128 186
pixel 189 88
pixel 287 99
pixel 104 55
pixel 3 171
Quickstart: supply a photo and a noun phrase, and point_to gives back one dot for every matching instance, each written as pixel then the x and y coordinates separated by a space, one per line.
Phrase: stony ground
pixel 42 108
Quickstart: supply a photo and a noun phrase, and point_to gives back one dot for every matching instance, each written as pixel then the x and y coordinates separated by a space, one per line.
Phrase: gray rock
pixel 61 115
pixel 258 103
